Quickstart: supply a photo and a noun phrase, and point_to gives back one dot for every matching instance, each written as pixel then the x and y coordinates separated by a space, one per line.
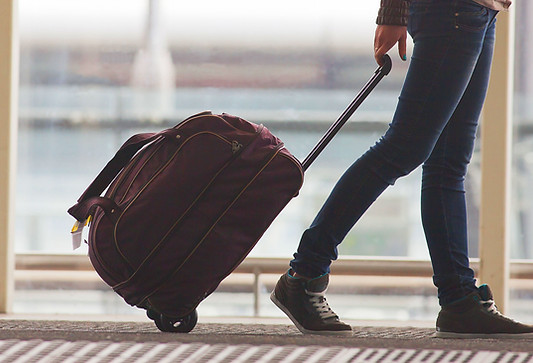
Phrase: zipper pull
pixel 235 146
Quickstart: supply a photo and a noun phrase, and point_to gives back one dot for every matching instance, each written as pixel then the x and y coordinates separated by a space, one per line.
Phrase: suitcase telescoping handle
pixel 380 72
pixel 91 196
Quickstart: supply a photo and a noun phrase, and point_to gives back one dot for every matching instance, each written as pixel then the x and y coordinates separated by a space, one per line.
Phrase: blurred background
pixel 92 73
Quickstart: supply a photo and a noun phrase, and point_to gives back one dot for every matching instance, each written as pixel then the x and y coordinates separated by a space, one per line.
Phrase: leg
pixel 442 64
pixel 467 311
pixel 435 123
pixel 443 200
pixel 443 194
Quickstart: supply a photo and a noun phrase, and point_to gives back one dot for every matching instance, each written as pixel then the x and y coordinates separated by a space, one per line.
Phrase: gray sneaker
pixel 305 304
pixel 476 316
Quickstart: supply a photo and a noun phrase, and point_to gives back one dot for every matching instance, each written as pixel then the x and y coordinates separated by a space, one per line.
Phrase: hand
pixel 385 38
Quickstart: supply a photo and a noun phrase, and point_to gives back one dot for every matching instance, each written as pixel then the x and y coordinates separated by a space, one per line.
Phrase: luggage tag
pixel 77 232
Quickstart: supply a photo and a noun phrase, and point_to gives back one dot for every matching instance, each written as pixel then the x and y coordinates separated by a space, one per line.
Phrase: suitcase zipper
pixel 234 200
pixel 236 146
pixel 140 169
pixel 125 173
pixel 150 181
pixel 92 246
pixel 133 163
pixel 156 248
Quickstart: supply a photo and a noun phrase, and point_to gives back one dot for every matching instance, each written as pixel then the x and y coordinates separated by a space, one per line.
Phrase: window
pixel 91 78
pixel 95 72
pixel 522 175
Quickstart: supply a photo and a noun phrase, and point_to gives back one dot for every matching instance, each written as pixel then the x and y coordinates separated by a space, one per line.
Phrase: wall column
pixel 8 142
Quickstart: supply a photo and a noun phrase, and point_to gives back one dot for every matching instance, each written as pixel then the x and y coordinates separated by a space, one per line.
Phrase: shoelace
pixel 490 306
pixel 493 309
pixel 318 301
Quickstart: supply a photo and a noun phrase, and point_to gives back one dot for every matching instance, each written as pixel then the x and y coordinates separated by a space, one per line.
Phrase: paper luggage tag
pixel 77 232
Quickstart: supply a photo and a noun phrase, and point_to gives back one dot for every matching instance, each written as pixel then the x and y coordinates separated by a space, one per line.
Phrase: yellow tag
pixel 75 227
pixel 77 231
pixel 77 224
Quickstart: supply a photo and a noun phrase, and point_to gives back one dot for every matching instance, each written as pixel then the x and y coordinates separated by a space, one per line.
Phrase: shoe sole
pixel 451 335
pixel 301 328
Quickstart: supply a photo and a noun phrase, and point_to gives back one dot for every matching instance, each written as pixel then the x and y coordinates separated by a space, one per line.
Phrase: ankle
pixel 298 276
pixel 294 275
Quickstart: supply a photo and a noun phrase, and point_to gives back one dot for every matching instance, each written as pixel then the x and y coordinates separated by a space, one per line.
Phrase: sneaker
pixel 305 304
pixel 476 316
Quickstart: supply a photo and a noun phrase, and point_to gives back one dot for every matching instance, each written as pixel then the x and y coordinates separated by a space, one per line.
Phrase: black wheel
pixel 183 325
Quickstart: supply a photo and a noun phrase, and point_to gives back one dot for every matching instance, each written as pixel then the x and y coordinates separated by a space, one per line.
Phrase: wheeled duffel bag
pixel 183 207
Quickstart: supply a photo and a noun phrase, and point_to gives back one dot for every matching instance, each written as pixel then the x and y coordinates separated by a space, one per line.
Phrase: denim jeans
pixel 434 125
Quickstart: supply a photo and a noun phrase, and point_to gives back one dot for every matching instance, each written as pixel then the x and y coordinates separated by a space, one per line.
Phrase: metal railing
pixel 32 266
pixel 351 265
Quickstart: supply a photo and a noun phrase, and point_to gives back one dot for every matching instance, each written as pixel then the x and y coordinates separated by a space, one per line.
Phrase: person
pixel 434 125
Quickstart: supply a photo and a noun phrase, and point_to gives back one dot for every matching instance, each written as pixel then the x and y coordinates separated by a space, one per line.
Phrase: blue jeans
pixel 435 125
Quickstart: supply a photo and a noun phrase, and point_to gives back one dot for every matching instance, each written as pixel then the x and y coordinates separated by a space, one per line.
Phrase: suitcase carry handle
pixel 91 197
pixel 380 72
pixel 88 200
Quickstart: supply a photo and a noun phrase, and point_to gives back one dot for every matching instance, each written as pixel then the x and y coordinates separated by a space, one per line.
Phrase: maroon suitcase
pixel 183 207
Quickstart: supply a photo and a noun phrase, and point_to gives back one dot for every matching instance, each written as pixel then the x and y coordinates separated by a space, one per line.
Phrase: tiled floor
pixel 37 340
pixel 104 351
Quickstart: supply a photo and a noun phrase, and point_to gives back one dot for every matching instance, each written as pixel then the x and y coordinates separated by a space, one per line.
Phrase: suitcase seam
pixel 298 164
pixel 177 269
pixel 278 148
pixel 133 178
pixel 95 249
pixel 120 179
pixel 118 184
pixel 183 214
pixel 130 166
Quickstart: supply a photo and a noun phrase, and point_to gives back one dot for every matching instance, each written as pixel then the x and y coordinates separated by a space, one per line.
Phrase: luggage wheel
pixel 173 325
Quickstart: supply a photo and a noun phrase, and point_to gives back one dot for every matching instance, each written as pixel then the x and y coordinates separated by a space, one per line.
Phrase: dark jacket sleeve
pixel 393 12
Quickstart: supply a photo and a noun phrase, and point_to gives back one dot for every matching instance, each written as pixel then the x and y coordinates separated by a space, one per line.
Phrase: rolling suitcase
pixel 183 207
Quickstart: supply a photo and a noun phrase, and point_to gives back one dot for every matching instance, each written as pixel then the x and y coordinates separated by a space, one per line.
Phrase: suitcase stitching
pixel 202 114
pixel 92 246
pixel 159 171
pixel 271 156
pixel 111 196
pixel 131 164
pixel 184 122
pixel 124 174
pixel 184 213
pixel 293 159
pixel 274 154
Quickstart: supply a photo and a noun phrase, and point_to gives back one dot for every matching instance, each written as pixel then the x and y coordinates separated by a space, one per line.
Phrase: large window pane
pixel 91 78
pixel 522 232
pixel 95 72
